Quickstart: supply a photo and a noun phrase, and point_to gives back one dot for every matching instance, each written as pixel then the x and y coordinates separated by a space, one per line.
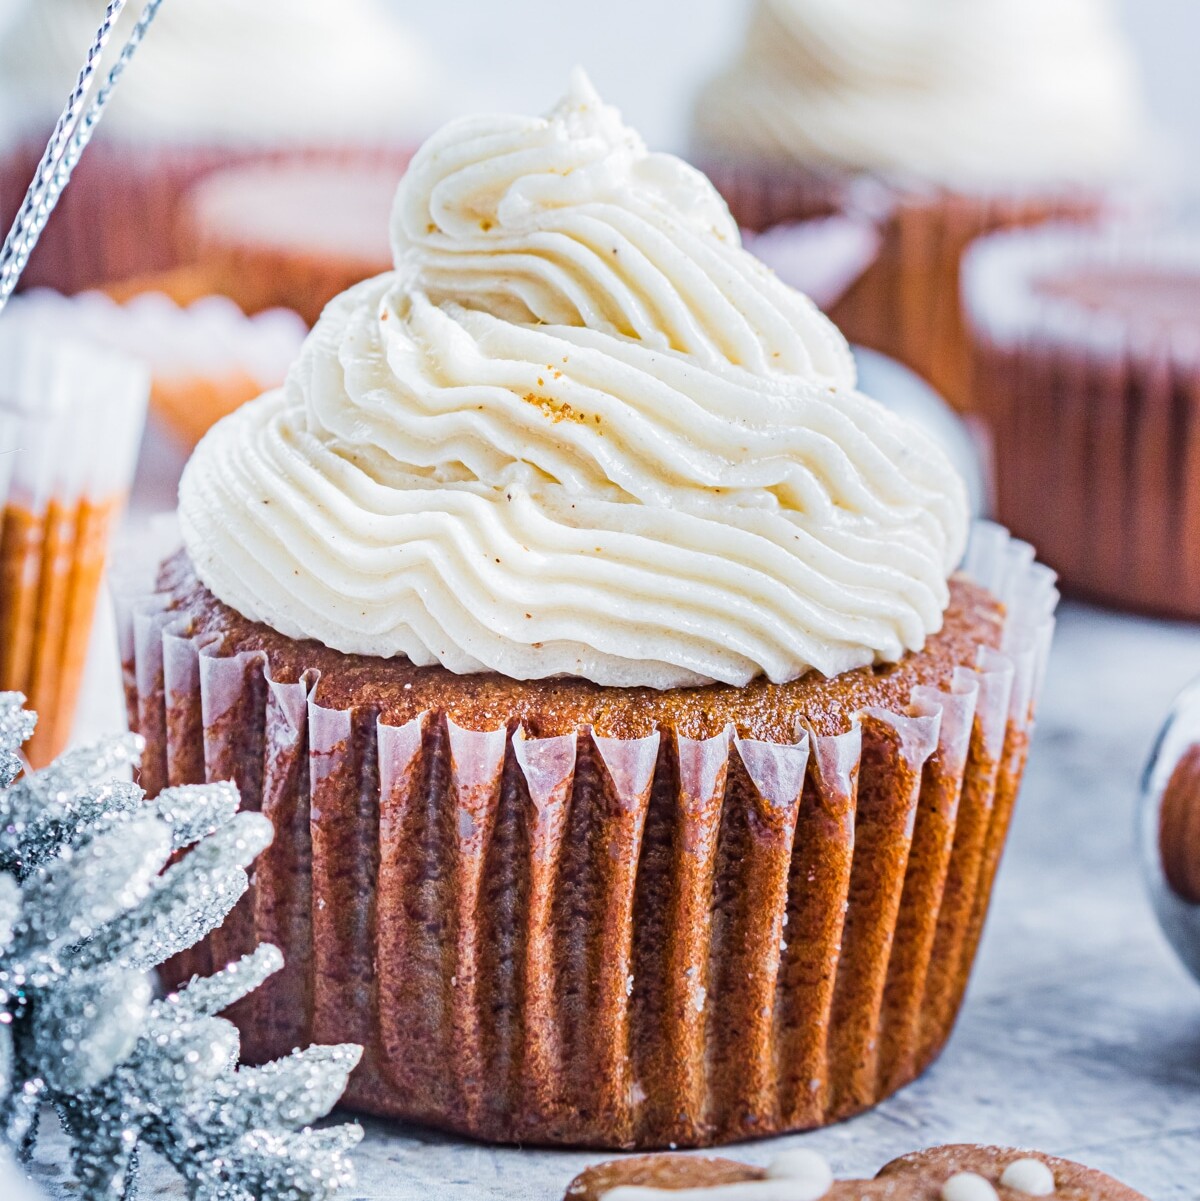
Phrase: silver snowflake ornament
pixel 98 886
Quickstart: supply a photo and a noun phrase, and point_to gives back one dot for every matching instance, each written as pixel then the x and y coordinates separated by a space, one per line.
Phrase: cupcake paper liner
pixel 597 941
pixel 70 423
pixel 1108 412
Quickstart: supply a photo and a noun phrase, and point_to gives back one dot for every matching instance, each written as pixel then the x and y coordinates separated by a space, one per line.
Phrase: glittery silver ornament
pixel 97 887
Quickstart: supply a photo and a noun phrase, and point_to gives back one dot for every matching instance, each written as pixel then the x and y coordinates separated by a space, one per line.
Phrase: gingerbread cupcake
pixel 218 83
pixel 639 761
pixel 1087 351
pixel 941 124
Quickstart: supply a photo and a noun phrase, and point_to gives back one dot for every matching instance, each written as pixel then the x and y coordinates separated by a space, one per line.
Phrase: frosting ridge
pixel 577 430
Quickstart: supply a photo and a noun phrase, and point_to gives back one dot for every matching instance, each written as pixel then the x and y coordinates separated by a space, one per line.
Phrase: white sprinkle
pixel 967 1186
pixel 1029 1176
pixel 808 1169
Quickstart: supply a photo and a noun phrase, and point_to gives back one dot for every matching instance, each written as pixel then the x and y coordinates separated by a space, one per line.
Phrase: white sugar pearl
pixel 1029 1176
pixel 967 1186
pixel 805 1167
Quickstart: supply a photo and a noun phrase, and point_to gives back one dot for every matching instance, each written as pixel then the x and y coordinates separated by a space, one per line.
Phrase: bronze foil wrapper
pixel 603 942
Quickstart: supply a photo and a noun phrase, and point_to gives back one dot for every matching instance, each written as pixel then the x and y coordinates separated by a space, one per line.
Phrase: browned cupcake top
pixel 963 1172
pixel 400 691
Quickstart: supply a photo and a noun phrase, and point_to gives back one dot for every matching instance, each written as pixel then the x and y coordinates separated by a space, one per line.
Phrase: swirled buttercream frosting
pixel 578 430
pixel 969 92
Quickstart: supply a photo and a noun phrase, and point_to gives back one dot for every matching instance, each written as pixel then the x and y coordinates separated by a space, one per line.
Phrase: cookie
pixel 963 1172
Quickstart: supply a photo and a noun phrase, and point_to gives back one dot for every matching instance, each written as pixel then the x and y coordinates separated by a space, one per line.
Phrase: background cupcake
pixel 639 773
pixel 204 355
pixel 218 82
pixel 943 123
pixel 71 418
pixel 1087 351
pixel 290 234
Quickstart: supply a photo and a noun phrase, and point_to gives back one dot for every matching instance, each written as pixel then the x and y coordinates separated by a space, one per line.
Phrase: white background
pixel 649 56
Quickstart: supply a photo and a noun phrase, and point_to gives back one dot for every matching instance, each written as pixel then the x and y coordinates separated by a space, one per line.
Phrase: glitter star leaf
pixel 97 887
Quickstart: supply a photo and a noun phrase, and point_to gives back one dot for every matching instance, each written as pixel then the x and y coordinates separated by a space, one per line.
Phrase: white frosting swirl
pixel 232 70
pixel 973 91
pixel 580 431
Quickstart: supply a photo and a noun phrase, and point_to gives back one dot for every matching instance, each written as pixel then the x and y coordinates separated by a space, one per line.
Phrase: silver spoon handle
pixel 71 135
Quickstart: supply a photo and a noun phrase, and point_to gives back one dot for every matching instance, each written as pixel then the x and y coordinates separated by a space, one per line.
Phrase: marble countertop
pixel 1081 1032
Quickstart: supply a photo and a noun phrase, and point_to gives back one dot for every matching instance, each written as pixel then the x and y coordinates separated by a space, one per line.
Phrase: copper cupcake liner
pixel 73 415
pixel 906 304
pixel 1109 415
pixel 603 942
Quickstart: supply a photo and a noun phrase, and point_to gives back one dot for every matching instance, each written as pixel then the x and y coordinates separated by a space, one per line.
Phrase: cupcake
pixel 1087 353
pixel 205 356
pixel 639 762
pixel 216 83
pixel 942 124
pixel 70 422
pixel 292 234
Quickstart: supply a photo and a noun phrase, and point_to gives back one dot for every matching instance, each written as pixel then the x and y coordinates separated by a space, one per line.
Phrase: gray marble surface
pixel 1081 1032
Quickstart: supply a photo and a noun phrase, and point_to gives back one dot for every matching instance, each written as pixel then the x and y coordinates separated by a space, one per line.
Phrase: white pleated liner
pixel 997 698
pixel 209 338
pixel 71 417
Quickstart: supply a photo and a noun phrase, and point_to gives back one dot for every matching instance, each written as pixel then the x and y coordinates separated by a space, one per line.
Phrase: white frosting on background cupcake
pixel 578 430
pixel 951 91
pixel 241 71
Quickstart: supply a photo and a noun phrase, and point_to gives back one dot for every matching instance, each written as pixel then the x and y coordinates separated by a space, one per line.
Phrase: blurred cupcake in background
pixel 1087 352
pixel 205 356
pixel 943 123
pixel 291 234
pixel 219 82
pixel 71 417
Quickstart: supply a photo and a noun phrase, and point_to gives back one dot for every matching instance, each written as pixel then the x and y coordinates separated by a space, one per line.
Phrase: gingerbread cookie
pixel 965 1172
